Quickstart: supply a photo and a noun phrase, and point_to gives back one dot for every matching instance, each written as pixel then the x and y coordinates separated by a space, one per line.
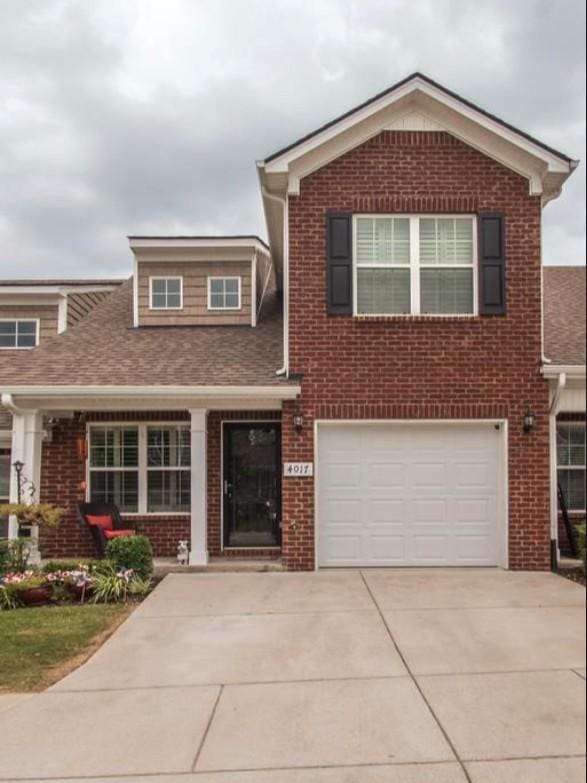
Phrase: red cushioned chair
pixel 104 523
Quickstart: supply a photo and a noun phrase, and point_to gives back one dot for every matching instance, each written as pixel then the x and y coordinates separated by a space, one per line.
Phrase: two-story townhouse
pixel 31 312
pixel 371 389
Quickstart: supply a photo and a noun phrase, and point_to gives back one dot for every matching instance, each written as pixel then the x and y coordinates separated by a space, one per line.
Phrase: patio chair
pixel 104 523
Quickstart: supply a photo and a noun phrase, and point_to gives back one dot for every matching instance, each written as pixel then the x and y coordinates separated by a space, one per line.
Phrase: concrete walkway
pixel 437 676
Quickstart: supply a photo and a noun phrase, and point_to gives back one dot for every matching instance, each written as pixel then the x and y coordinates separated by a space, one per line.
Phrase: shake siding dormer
pixel 198 281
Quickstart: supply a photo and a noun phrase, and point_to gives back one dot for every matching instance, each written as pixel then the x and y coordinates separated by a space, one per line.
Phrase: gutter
pixel 283 201
pixel 285 392
pixel 7 401
pixel 572 371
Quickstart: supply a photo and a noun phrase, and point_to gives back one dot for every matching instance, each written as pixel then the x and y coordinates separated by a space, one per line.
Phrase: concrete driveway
pixel 436 676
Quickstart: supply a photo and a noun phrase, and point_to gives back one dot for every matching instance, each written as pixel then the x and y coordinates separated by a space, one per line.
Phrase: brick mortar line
pixel 416 683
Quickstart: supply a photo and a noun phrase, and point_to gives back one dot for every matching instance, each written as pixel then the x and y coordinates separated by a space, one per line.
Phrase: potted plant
pixel 31 588
pixel 31 515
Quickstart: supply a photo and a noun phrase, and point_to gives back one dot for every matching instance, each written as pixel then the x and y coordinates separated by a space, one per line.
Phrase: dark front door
pixel 252 485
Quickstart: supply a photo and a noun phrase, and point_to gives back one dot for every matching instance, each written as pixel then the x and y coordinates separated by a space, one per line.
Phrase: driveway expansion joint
pixel 416 683
pixel 205 735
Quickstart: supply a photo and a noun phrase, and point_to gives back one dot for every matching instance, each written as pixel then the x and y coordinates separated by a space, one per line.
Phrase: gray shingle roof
pixel 105 349
pixel 564 314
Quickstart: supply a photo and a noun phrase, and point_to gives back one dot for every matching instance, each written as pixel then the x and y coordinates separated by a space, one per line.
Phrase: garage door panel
pixel 473 510
pixel 431 550
pixel 475 474
pixel 429 475
pixel 432 510
pixel 384 549
pixel 343 475
pixel 473 549
pixel 343 512
pixel 345 550
pixel 385 512
pixel 385 474
pixel 408 495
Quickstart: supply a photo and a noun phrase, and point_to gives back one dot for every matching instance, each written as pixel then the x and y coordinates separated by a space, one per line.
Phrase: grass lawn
pixel 40 646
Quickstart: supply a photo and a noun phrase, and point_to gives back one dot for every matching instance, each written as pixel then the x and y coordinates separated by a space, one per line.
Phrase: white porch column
pixel 27 441
pixel 198 548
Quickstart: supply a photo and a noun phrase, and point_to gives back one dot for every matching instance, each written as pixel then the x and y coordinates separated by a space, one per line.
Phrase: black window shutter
pixel 339 263
pixel 492 285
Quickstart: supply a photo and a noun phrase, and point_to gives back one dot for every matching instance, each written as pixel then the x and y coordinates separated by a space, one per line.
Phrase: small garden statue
pixel 182 553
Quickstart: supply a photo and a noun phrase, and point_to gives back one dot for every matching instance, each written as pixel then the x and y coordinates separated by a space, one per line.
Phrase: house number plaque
pixel 298 469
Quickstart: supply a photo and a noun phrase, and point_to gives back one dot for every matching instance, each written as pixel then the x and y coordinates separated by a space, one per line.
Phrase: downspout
pixel 283 201
pixel 554 406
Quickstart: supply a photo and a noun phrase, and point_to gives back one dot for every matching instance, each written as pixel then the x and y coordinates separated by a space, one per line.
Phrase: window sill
pixel 370 319
pixel 149 516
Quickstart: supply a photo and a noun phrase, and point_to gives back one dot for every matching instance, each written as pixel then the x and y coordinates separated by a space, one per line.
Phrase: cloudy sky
pixel 130 116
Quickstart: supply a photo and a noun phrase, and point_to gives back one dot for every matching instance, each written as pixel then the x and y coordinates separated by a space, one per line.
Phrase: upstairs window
pixel 571 464
pixel 166 293
pixel 415 265
pixel 224 293
pixel 19 334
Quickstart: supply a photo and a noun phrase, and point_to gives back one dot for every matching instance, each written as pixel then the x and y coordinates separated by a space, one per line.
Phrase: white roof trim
pixel 554 162
pixel 55 290
pixel 285 392
pixel 187 242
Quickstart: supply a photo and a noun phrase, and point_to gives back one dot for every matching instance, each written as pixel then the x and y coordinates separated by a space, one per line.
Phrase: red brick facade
pixel 64 474
pixel 419 367
pixel 383 368
pixel 63 477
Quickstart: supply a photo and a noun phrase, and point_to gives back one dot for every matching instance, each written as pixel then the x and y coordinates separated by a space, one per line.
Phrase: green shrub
pixel 14 555
pixel 582 540
pixel 4 557
pixel 140 587
pixel 53 566
pixel 132 552
pixel 109 589
pixel 8 598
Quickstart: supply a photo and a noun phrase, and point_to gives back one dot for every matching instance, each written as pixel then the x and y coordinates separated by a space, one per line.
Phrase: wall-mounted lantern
pixel 298 421
pixel 529 420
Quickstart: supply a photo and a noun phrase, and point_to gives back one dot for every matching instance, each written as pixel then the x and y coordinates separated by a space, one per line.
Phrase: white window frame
pixel 415 267
pixel 142 468
pixel 166 278
pixel 238 278
pixel 571 467
pixel 36 321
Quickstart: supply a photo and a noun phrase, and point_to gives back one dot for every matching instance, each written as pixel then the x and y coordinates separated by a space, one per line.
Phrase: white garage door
pixel 408 495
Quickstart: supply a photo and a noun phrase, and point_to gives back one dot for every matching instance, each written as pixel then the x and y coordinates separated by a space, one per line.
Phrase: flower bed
pixel 101 582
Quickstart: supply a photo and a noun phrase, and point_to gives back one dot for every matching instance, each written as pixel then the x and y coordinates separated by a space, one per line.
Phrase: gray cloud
pixel 148 115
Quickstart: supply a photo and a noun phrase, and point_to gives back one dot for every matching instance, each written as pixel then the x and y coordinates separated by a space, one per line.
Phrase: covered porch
pixel 194 464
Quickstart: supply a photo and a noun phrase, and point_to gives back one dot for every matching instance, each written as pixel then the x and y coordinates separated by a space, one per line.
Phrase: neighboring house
pixel 371 389
pixel 31 312
pixel 564 340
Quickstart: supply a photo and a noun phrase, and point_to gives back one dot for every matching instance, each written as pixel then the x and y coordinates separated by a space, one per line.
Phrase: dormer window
pixel 166 293
pixel 19 334
pixel 224 293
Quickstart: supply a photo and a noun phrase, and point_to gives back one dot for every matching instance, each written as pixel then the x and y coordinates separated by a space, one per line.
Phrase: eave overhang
pixel 417 103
